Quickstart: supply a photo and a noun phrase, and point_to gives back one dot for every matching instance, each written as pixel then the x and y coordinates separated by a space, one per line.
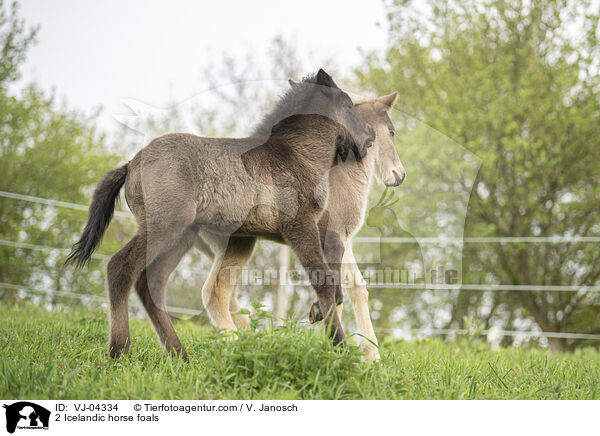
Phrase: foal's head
pixel 320 95
pixel 323 96
pixel 388 167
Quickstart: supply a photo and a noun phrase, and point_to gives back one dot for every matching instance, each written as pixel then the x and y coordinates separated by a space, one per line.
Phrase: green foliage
pixel 65 353
pixel 51 154
pixel 516 84
pixel 14 41
pixel 45 151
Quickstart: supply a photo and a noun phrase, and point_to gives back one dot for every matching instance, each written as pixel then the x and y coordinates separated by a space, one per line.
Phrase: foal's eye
pixel 392 132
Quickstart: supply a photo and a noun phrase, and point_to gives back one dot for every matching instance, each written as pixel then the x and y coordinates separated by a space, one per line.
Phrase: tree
pixel 516 83
pixel 45 151
pixel 14 41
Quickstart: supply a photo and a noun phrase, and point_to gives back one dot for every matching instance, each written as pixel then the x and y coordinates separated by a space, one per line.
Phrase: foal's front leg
pixel 333 249
pixel 303 237
pixel 359 295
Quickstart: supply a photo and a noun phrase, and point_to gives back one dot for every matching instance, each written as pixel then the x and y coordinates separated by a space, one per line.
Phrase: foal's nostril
pixel 398 179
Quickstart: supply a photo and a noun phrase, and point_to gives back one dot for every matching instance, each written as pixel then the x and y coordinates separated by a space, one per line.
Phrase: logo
pixel 26 415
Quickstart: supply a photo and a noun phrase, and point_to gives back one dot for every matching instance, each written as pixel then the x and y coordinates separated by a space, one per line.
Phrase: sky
pixel 98 53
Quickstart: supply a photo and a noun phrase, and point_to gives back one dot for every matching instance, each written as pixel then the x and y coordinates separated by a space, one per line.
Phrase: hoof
pixel 242 322
pixel 117 348
pixel 229 335
pixel 182 354
pixel 315 315
pixel 116 354
pixel 370 355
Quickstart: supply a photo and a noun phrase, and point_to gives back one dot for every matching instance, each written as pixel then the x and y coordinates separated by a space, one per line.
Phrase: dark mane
pixel 290 103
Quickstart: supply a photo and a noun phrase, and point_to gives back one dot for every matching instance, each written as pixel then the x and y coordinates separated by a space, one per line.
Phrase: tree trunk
pixel 557 345
pixel 281 297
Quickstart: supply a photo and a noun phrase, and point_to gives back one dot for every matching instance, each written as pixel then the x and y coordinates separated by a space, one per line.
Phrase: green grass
pixel 58 355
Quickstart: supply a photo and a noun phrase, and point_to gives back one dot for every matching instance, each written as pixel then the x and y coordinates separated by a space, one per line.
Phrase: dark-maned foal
pixel 271 184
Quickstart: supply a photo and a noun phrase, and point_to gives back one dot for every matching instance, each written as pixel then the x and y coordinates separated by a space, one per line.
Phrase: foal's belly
pixel 345 209
pixel 251 213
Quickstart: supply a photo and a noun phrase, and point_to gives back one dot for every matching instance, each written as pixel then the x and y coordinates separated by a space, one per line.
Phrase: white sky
pixel 97 53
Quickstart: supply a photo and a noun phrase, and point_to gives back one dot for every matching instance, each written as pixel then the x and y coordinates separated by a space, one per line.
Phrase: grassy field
pixel 57 355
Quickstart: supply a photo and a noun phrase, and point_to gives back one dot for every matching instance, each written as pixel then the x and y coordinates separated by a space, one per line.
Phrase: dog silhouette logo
pixel 26 415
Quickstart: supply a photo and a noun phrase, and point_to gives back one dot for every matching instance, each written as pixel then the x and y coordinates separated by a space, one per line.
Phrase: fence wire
pixel 88 297
pixel 360 239
pixel 398 240
pixel 57 203
pixel 426 331
pixel 406 286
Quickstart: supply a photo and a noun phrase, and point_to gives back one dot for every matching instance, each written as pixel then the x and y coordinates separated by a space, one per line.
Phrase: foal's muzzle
pixel 399 179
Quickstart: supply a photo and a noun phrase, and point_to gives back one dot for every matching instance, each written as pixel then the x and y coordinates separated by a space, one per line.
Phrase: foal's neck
pixel 312 139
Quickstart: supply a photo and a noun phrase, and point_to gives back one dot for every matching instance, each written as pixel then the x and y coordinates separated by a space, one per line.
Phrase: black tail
pixel 102 208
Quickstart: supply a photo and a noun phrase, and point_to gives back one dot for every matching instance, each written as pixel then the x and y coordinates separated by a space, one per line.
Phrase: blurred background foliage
pixel 497 124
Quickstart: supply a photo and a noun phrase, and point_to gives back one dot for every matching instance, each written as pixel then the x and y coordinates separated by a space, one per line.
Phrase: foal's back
pixel 178 168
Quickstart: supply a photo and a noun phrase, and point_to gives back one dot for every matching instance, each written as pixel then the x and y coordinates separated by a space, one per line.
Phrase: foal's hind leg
pixel 123 266
pixel 237 254
pixel 217 290
pixel 240 320
pixel 235 257
pixel 129 262
pixel 150 287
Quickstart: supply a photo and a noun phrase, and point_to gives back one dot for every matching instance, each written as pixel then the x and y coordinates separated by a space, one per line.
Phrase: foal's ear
pixel 388 100
pixel 325 79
